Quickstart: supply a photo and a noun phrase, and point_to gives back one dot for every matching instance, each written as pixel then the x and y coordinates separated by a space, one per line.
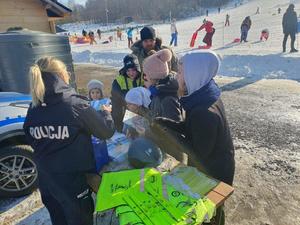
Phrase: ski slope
pixel 253 60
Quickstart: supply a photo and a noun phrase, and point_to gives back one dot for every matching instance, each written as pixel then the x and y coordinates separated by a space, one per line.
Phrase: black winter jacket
pixel 208 132
pixel 166 102
pixel 289 22
pixel 118 94
pixel 205 137
pixel 60 130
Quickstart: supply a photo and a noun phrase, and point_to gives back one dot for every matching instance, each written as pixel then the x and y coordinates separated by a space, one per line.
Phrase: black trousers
pixel 293 38
pixel 67 197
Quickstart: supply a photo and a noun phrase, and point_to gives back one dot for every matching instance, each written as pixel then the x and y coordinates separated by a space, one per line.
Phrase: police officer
pixel 58 126
pixel 129 77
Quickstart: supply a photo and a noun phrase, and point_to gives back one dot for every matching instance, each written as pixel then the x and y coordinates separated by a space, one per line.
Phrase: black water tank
pixel 20 49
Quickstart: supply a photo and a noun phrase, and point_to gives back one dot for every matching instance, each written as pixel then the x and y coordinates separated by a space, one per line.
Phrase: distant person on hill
pixel 92 38
pixel 174 33
pixel 119 33
pixel 264 35
pixel 257 10
pixel 245 27
pixel 84 33
pixel 130 36
pixel 227 22
pixel 207 13
pixel 137 33
pixel 210 30
pixel 290 27
pixel 279 10
pixel 99 33
pixel 219 10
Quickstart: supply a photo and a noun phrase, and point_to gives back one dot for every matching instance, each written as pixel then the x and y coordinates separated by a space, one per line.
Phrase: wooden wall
pixel 30 14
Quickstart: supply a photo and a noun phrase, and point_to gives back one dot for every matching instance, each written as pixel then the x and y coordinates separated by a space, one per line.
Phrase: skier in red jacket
pixel 210 30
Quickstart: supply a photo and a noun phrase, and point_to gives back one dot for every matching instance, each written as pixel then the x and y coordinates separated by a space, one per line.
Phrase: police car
pixel 18 173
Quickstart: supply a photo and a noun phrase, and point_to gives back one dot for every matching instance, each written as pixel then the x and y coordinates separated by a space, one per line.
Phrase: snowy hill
pixel 255 59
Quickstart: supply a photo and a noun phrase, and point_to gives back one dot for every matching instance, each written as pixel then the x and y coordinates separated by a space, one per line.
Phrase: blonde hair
pixel 46 64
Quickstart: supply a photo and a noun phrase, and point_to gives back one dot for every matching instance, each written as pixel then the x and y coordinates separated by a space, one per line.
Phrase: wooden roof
pixel 56 9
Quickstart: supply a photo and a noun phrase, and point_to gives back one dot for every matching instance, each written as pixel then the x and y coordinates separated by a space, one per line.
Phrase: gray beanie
pixel 94 84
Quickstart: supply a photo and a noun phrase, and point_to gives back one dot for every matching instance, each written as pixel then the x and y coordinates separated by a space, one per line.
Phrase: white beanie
pixel 199 68
pixel 138 96
pixel 94 84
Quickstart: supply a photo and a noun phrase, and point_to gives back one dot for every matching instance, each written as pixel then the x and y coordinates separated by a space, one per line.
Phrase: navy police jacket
pixel 60 129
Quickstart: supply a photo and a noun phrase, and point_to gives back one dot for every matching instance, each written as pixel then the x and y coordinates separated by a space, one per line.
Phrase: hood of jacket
pixel 200 67
pixel 56 88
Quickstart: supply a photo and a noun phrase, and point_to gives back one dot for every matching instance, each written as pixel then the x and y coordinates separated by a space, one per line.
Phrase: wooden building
pixel 39 15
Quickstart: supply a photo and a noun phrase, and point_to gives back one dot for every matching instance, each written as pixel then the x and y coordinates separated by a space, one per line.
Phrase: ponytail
pixel 37 85
pixel 46 64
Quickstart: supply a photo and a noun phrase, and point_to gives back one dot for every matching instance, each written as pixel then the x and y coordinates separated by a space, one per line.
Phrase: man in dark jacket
pixel 129 77
pixel 59 130
pixel 149 42
pixel 245 27
pixel 289 24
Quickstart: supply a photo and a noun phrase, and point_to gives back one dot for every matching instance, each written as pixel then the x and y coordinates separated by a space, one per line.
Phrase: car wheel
pixel 18 172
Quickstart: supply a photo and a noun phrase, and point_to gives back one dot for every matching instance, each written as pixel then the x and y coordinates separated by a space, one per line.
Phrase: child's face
pixel 148 81
pixel 95 94
pixel 133 107
pixel 132 73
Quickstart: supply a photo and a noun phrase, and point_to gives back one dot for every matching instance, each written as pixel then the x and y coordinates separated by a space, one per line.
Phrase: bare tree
pixel 140 9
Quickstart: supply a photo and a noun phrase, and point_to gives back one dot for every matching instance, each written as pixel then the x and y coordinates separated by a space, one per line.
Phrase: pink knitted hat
pixel 156 65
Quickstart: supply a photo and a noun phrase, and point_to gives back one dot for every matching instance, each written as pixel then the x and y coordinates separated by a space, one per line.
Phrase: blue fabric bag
pixel 100 153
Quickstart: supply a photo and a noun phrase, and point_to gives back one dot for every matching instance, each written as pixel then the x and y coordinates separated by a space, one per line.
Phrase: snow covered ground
pixel 255 59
